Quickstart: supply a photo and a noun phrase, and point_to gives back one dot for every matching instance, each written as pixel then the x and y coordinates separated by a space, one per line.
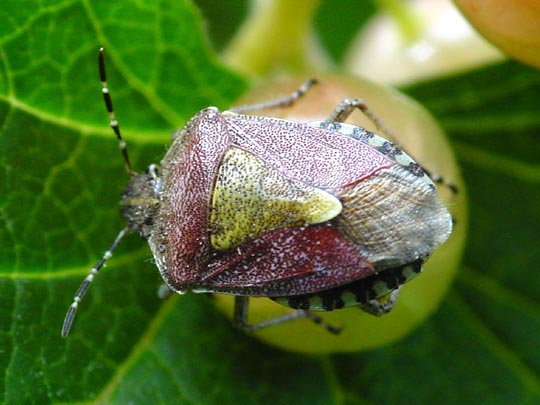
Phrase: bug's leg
pixel 381 305
pixel 241 310
pixel 298 314
pixel 70 315
pixel 282 102
pixel 241 306
pixel 437 179
pixel 344 109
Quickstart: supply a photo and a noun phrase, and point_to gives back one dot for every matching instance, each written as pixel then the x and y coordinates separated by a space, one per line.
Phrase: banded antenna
pixel 85 285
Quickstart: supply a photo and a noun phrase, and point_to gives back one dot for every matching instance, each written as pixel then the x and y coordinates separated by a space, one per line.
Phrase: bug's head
pixel 140 201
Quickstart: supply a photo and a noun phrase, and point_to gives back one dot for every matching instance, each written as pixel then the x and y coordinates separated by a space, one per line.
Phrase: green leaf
pixel 60 180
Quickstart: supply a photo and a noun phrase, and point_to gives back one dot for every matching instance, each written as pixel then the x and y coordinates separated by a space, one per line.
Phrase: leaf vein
pixel 501 164
pixel 142 345
pixel 494 345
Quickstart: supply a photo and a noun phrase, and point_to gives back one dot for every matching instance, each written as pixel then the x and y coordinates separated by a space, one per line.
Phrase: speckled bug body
pixel 316 216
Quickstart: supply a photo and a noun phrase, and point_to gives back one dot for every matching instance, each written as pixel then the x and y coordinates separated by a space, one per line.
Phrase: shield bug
pixel 316 216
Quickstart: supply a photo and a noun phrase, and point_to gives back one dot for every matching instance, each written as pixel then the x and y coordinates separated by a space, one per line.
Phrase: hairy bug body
pixel 316 216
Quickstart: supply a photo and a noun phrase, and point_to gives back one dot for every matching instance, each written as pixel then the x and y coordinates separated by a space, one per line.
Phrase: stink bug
pixel 316 216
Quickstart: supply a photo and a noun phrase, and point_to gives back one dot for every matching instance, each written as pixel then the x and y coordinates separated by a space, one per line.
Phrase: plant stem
pixel 404 17
pixel 274 36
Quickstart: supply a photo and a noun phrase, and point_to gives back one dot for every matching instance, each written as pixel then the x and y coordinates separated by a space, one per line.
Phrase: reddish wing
pixel 316 156
pixel 179 240
pixel 287 261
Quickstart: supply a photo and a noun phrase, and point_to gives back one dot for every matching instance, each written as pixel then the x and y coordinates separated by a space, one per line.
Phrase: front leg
pixel 282 102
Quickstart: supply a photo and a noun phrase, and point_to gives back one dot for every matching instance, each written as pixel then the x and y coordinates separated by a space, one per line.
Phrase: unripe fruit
pixel 513 26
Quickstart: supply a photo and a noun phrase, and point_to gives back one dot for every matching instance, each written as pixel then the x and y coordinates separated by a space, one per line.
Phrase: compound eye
pixel 153 170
